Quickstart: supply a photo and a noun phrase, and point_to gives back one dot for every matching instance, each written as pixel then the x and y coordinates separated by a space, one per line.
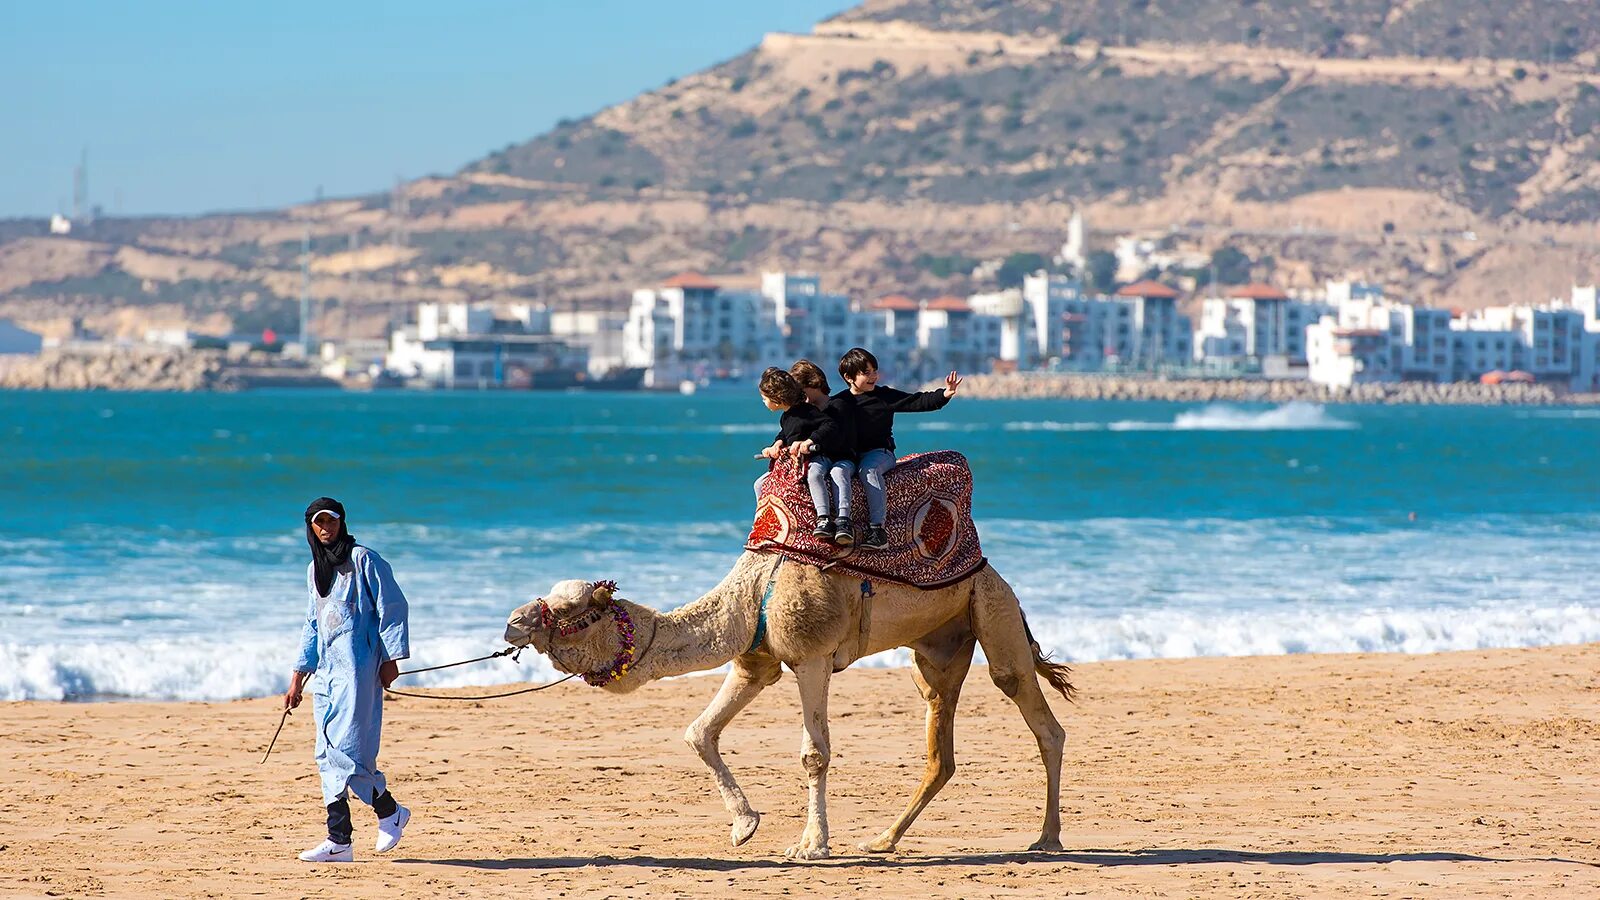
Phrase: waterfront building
pixel 599 332
pixel 1063 327
pixel 689 324
pixel 1547 342
pixel 1256 325
pixel 1419 343
pixel 1339 356
pixel 465 345
pixel 1370 338
pixel 1157 334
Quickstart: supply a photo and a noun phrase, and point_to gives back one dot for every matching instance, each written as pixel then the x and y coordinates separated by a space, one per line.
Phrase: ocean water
pixel 151 546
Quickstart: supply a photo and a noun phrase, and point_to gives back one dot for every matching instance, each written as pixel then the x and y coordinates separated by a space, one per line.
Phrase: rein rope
pixel 513 652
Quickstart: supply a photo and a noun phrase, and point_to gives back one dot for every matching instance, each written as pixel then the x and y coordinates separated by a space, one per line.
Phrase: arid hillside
pixel 1444 147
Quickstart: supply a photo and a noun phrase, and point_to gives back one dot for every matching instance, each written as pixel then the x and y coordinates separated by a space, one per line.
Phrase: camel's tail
pixel 1058 674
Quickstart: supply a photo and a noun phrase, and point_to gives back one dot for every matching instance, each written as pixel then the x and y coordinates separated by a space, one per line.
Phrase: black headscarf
pixel 327 558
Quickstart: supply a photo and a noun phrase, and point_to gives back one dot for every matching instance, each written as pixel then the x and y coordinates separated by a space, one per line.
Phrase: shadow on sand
pixel 1146 857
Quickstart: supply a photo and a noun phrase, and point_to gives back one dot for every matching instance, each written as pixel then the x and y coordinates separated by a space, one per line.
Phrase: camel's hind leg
pixel 749 675
pixel 997 620
pixel 942 659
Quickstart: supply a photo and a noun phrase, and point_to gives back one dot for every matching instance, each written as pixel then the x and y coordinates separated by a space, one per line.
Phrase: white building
pixel 1064 327
pixel 1418 338
pixel 1256 323
pixel 951 335
pixel 600 333
pixel 464 345
pixel 689 324
pixel 1372 339
pixel 1338 356
pixel 814 324
pixel 1546 342
pixel 1138 255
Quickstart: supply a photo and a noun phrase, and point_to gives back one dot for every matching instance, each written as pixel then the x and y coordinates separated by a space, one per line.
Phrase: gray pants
pixel 822 474
pixel 873 466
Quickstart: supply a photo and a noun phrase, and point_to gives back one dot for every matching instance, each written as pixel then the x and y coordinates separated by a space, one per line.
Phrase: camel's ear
pixel 602 592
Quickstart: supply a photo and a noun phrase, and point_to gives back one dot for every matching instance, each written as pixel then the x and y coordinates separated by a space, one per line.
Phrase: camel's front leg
pixel 813 675
pixel 744 682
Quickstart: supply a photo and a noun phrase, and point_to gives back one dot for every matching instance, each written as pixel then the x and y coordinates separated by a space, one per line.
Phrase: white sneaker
pixel 328 851
pixel 390 829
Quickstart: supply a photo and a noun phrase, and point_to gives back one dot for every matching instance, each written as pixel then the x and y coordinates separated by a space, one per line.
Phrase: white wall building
pixel 464 345
pixel 1064 327
pixel 951 335
pixel 1547 342
pixel 689 325
pixel 1418 338
pixel 1372 339
pixel 1338 356
pixel 601 333
pixel 1256 323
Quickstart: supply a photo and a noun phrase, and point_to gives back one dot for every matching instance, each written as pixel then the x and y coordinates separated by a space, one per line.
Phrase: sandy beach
pixel 1449 775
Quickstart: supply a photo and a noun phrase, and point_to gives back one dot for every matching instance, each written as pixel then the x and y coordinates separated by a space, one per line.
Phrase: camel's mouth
pixel 518 635
pixel 522 625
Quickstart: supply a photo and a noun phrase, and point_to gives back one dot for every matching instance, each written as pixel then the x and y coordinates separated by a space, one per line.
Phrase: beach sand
pixel 1450 775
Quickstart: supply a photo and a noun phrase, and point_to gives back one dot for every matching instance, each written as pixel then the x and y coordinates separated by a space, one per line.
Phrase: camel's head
pixel 571 624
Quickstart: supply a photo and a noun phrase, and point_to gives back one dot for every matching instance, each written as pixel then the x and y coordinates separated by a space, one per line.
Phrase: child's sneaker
pixel 390 829
pixel 843 534
pixel 824 529
pixel 328 851
pixel 876 538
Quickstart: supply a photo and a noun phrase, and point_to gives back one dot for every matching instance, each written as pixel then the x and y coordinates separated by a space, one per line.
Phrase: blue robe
pixel 347 635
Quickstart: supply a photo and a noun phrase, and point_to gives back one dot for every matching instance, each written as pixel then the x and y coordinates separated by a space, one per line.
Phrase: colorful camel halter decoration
pixel 602 592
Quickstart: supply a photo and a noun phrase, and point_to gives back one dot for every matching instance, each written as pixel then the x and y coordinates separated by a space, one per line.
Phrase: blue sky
pixel 186 107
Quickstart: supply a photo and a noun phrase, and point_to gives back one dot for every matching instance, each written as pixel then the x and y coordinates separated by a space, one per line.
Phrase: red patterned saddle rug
pixel 932 541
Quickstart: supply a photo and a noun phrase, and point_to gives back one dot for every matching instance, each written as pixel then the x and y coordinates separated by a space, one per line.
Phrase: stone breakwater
pixel 1024 385
pixel 119 369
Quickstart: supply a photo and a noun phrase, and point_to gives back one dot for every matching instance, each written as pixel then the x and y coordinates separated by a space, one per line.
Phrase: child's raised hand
pixel 772 452
pixel 951 382
pixel 803 448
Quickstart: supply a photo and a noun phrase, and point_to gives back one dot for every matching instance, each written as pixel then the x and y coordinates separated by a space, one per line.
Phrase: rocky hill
pixel 1446 147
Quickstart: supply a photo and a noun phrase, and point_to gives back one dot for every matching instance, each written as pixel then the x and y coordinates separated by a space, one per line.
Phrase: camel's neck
pixel 708 632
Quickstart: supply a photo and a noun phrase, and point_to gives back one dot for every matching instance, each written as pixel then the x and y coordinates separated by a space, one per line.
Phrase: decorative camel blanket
pixel 932 541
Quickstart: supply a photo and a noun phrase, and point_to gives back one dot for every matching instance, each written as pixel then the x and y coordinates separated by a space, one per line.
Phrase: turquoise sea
pixel 151 544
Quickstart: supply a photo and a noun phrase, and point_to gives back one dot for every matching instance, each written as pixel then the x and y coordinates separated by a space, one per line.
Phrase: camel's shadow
pixel 1087 857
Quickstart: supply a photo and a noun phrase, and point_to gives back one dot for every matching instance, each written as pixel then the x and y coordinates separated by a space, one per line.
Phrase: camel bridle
pixel 581 622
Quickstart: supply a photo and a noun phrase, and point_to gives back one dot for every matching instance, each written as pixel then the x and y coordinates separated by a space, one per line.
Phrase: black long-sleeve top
pixel 827 428
pixel 874 414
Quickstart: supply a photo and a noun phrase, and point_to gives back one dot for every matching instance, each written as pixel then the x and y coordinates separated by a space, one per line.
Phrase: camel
pixel 816 622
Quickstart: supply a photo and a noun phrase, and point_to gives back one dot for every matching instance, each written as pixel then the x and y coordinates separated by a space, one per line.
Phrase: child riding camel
pixel 807 430
pixel 875 408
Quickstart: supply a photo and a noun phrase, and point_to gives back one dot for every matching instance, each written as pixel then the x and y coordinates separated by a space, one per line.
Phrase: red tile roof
pixel 895 302
pixel 1257 291
pixel 1147 289
pixel 692 281
pixel 949 304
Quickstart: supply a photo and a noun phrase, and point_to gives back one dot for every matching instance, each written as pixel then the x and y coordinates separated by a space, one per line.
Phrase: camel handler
pixel 355 631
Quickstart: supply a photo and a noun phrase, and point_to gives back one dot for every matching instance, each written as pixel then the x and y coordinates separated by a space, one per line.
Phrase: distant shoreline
pixel 141 369
pixel 1076 386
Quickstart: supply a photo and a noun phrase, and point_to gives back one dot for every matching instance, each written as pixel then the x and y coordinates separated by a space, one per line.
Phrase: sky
pixel 189 107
